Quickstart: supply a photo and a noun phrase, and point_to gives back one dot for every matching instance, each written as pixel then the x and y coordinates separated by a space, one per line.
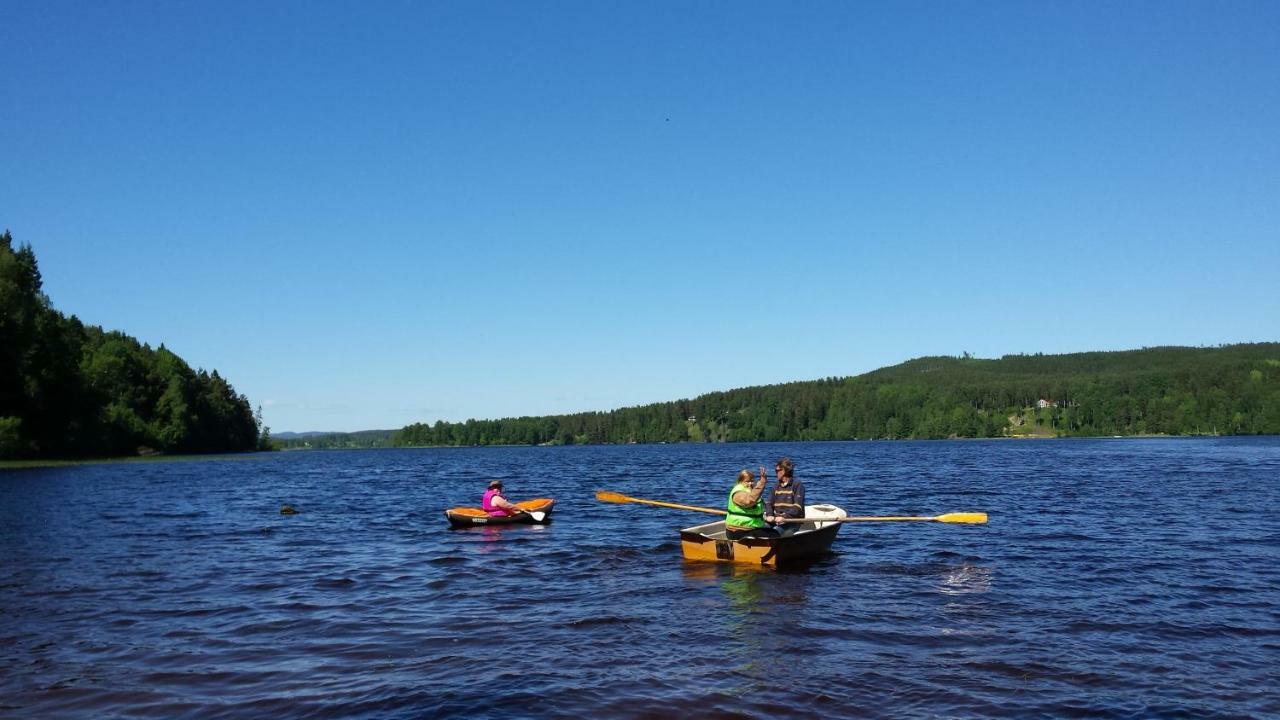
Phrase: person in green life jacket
pixel 745 516
pixel 787 499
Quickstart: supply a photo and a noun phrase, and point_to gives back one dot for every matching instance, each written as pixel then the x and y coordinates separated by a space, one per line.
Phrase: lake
pixel 1117 578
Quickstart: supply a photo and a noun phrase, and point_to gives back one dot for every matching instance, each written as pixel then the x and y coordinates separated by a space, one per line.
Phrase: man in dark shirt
pixel 787 499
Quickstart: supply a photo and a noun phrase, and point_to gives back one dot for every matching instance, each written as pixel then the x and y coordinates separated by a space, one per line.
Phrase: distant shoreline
pixel 748 442
pixel 55 463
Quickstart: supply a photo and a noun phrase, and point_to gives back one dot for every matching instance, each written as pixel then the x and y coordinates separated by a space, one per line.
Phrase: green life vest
pixel 740 517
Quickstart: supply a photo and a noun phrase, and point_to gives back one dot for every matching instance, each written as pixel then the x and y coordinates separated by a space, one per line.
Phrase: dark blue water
pixel 1117 578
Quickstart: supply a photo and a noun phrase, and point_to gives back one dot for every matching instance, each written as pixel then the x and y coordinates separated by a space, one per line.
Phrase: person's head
pixel 785 468
pixel 744 477
pixel 495 485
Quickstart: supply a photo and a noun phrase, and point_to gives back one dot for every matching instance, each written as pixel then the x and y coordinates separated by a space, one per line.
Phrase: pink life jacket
pixel 489 507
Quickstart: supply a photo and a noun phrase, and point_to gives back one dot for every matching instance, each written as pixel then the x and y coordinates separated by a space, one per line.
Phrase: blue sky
pixel 370 214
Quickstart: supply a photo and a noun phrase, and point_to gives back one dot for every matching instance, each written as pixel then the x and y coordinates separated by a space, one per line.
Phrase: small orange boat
pixel 537 510
pixel 810 540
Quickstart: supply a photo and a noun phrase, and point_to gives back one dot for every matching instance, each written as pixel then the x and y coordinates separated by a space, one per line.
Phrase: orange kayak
pixel 467 517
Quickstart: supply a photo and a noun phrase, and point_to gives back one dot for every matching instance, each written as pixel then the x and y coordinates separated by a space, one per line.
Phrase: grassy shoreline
pixel 56 463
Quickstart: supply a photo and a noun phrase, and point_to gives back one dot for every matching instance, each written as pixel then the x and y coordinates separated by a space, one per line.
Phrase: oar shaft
pixel 873 518
pixel 677 506
pixel 866 518
pixel 963 517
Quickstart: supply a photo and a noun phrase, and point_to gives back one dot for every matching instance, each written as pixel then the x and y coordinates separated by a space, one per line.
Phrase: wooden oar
pixel 613 497
pixel 959 517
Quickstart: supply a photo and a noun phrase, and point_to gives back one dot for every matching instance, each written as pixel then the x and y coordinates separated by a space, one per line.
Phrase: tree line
pixel 73 390
pixel 1228 390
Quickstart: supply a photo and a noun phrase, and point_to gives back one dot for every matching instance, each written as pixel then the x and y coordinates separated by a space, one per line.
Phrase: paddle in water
pixel 537 515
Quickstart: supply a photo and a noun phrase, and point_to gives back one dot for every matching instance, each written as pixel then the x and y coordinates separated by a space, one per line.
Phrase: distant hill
pixel 1228 390
pixel 309 434
pixel 327 440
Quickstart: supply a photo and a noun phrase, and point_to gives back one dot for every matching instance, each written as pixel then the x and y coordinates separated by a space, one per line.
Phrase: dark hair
pixel 787 467
pixel 495 483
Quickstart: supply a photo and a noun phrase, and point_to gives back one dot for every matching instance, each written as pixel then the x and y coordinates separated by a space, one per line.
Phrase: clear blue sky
pixel 370 214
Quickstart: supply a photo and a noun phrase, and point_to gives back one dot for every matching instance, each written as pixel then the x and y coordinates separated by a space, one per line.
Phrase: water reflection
pixel 746 621
pixel 716 571
pixel 745 593
pixel 495 538
pixel 760 607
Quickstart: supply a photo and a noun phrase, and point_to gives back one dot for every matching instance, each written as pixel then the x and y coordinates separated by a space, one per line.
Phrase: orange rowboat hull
pixel 708 541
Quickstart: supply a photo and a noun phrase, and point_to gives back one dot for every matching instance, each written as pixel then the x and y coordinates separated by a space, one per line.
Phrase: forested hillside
pixel 71 390
pixel 1233 389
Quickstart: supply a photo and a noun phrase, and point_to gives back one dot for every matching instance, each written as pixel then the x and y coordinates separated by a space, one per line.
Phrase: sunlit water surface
pixel 1117 578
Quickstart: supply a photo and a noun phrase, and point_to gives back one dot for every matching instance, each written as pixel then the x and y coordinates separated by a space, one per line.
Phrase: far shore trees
pixel 1230 390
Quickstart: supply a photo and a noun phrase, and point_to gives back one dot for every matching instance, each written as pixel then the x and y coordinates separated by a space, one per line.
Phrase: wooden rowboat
pixel 474 517
pixel 810 540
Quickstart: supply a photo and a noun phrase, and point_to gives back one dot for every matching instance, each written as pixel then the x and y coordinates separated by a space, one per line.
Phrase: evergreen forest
pixel 73 390
pixel 1227 390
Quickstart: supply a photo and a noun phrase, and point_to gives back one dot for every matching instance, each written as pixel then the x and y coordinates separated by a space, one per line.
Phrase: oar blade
pixel 976 518
pixel 611 497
